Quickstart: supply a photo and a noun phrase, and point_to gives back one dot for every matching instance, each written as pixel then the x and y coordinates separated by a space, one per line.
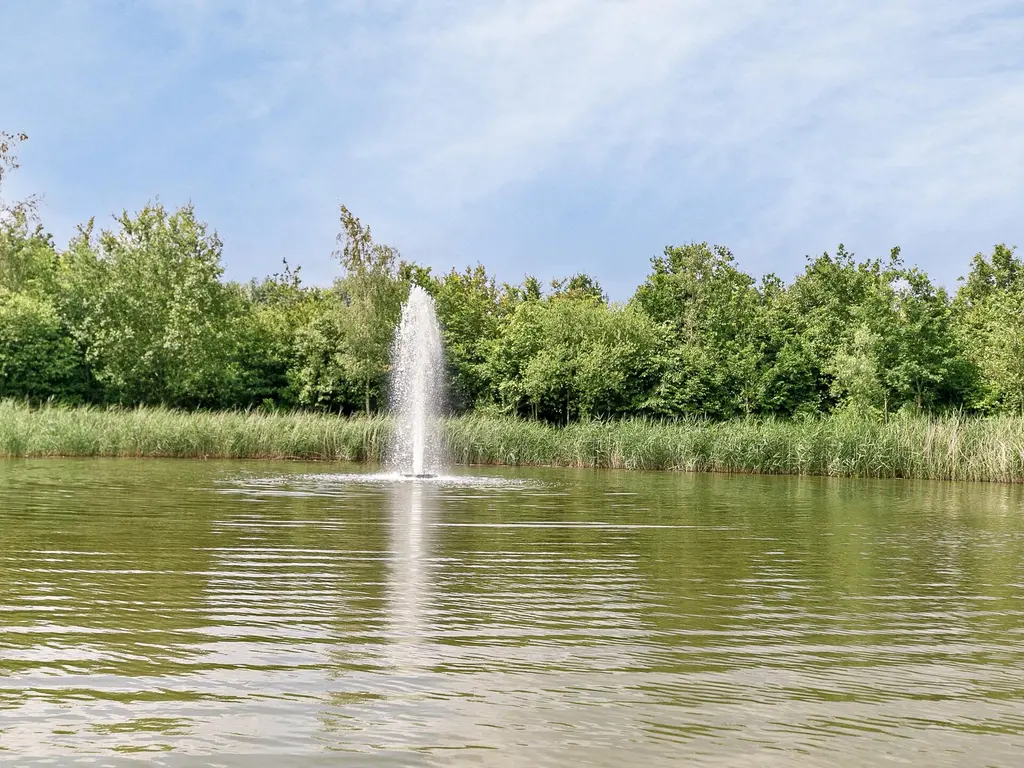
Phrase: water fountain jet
pixel 417 389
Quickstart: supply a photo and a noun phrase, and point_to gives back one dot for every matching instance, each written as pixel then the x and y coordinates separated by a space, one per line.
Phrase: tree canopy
pixel 140 313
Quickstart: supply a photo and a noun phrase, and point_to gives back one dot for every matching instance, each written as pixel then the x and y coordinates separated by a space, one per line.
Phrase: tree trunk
pixel 366 392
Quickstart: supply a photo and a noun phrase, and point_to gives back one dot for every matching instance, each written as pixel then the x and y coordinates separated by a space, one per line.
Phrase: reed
pixel 955 447
pixel 161 432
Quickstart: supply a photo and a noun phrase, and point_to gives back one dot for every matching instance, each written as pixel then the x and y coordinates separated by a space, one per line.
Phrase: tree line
pixel 140 314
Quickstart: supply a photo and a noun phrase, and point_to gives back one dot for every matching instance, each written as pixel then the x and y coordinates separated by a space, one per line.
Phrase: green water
pixel 269 617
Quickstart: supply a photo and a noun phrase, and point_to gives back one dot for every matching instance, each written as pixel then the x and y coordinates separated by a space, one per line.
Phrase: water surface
pixel 281 614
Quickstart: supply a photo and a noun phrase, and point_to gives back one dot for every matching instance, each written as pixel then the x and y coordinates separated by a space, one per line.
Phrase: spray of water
pixel 417 388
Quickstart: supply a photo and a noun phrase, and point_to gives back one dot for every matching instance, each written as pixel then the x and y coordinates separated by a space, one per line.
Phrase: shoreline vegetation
pixel 128 340
pixel 951 447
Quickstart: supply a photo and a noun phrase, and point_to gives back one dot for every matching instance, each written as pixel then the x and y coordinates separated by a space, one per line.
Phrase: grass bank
pixel 947 448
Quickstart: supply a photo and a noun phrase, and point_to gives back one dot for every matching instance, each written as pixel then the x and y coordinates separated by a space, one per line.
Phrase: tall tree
pixel 826 302
pixel 269 316
pixel 150 310
pixel 1000 349
pixel 928 367
pixel 989 275
pixel 370 299
pixel 566 357
pixel 38 359
pixel 903 336
pixel 471 309
pixel 578 286
pixel 987 312
pixel 28 258
pixel 857 379
pixel 784 381
pixel 709 307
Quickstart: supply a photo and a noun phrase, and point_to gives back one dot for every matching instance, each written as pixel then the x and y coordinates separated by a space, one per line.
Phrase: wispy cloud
pixel 550 135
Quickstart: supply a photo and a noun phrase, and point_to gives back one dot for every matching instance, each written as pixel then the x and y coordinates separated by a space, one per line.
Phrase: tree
pixel 857 380
pixel 1002 360
pixel 38 360
pixel 28 259
pixel 9 162
pixel 784 382
pixel 147 305
pixel 268 317
pixel 987 314
pixel 826 302
pixel 927 367
pixel 317 377
pixel 1000 272
pixel 370 299
pixel 578 286
pixel 708 307
pixel 472 309
pixel 904 350
pixel 562 357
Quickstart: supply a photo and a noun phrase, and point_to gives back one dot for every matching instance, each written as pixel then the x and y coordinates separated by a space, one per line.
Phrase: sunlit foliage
pixel 140 314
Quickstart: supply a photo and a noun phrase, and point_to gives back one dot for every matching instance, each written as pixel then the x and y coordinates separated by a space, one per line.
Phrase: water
pixel 271 614
pixel 417 387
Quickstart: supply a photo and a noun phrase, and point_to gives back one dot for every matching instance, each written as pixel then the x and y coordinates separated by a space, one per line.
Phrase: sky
pixel 543 137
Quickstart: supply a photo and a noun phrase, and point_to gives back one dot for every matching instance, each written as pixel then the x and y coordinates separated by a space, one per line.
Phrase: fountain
pixel 417 388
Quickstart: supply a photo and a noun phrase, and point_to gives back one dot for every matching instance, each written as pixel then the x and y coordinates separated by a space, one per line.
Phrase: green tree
pixel 147 305
pixel 370 300
pixel 38 359
pixel 579 286
pixel 827 301
pixel 1000 272
pixel 28 259
pixel 903 337
pixel 268 317
pixel 471 308
pixel 1001 349
pixel 784 382
pixel 857 380
pixel 927 367
pixel 317 378
pixel 564 357
pixel 989 325
pixel 708 307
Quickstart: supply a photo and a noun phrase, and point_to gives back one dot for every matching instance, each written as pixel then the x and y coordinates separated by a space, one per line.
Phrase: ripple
pixel 558 619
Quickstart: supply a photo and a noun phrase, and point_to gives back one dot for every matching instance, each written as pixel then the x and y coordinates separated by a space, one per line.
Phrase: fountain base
pixel 417 477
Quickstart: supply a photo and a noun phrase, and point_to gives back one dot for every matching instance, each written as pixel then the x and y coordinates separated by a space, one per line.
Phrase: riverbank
pixel 947 448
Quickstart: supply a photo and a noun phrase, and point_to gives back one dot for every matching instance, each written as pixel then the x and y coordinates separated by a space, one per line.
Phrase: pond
pixel 283 613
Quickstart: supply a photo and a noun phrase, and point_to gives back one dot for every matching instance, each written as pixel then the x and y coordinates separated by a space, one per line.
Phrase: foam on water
pixel 329 484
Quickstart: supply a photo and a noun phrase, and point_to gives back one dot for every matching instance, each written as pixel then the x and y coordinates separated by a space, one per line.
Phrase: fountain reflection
pixel 407 591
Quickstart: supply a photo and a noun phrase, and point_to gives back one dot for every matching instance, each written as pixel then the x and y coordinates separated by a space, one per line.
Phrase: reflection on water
pixel 407 591
pixel 275 613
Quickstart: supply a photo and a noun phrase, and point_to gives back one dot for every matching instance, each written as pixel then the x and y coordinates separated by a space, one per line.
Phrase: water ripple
pixel 557 619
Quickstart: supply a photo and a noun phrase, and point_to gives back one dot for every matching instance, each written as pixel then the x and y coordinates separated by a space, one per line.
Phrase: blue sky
pixel 535 136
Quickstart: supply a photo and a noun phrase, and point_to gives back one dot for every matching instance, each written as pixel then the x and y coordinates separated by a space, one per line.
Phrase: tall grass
pixel 160 432
pixel 947 448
